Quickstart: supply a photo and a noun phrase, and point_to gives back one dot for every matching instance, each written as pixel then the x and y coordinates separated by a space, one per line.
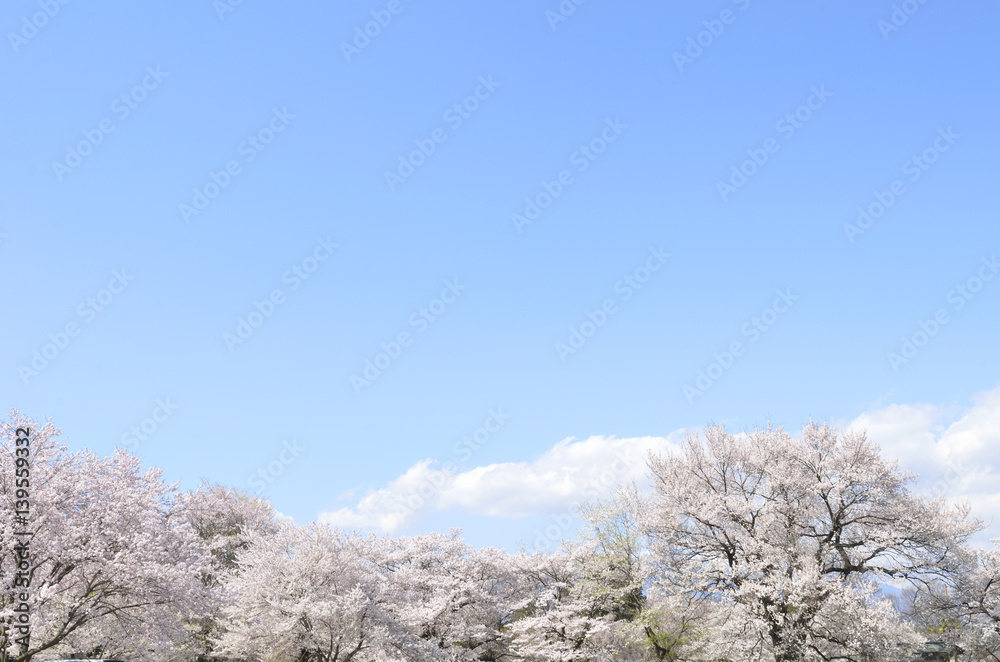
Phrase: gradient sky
pixel 224 75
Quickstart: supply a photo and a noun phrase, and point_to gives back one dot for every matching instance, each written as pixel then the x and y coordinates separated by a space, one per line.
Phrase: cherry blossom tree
pixel 597 599
pixel 313 593
pixel 225 520
pixel 554 621
pixel 455 598
pixel 758 546
pixel 113 564
pixel 790 538
pixel 964 612
pixel 618 577
pixel 309 594
pixel 976 599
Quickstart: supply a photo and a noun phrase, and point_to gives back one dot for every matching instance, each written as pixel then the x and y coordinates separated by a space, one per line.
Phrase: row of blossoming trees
pixel 751 547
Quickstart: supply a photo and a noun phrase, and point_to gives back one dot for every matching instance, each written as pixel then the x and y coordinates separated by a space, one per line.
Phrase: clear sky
pixel 616 136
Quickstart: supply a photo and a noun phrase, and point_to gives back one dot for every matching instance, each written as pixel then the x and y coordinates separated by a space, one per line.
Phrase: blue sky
pixel 200 81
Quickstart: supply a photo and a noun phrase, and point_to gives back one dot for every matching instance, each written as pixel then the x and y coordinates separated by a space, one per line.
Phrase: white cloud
pixel 952 449
pixel 905 432
pixel 569 473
